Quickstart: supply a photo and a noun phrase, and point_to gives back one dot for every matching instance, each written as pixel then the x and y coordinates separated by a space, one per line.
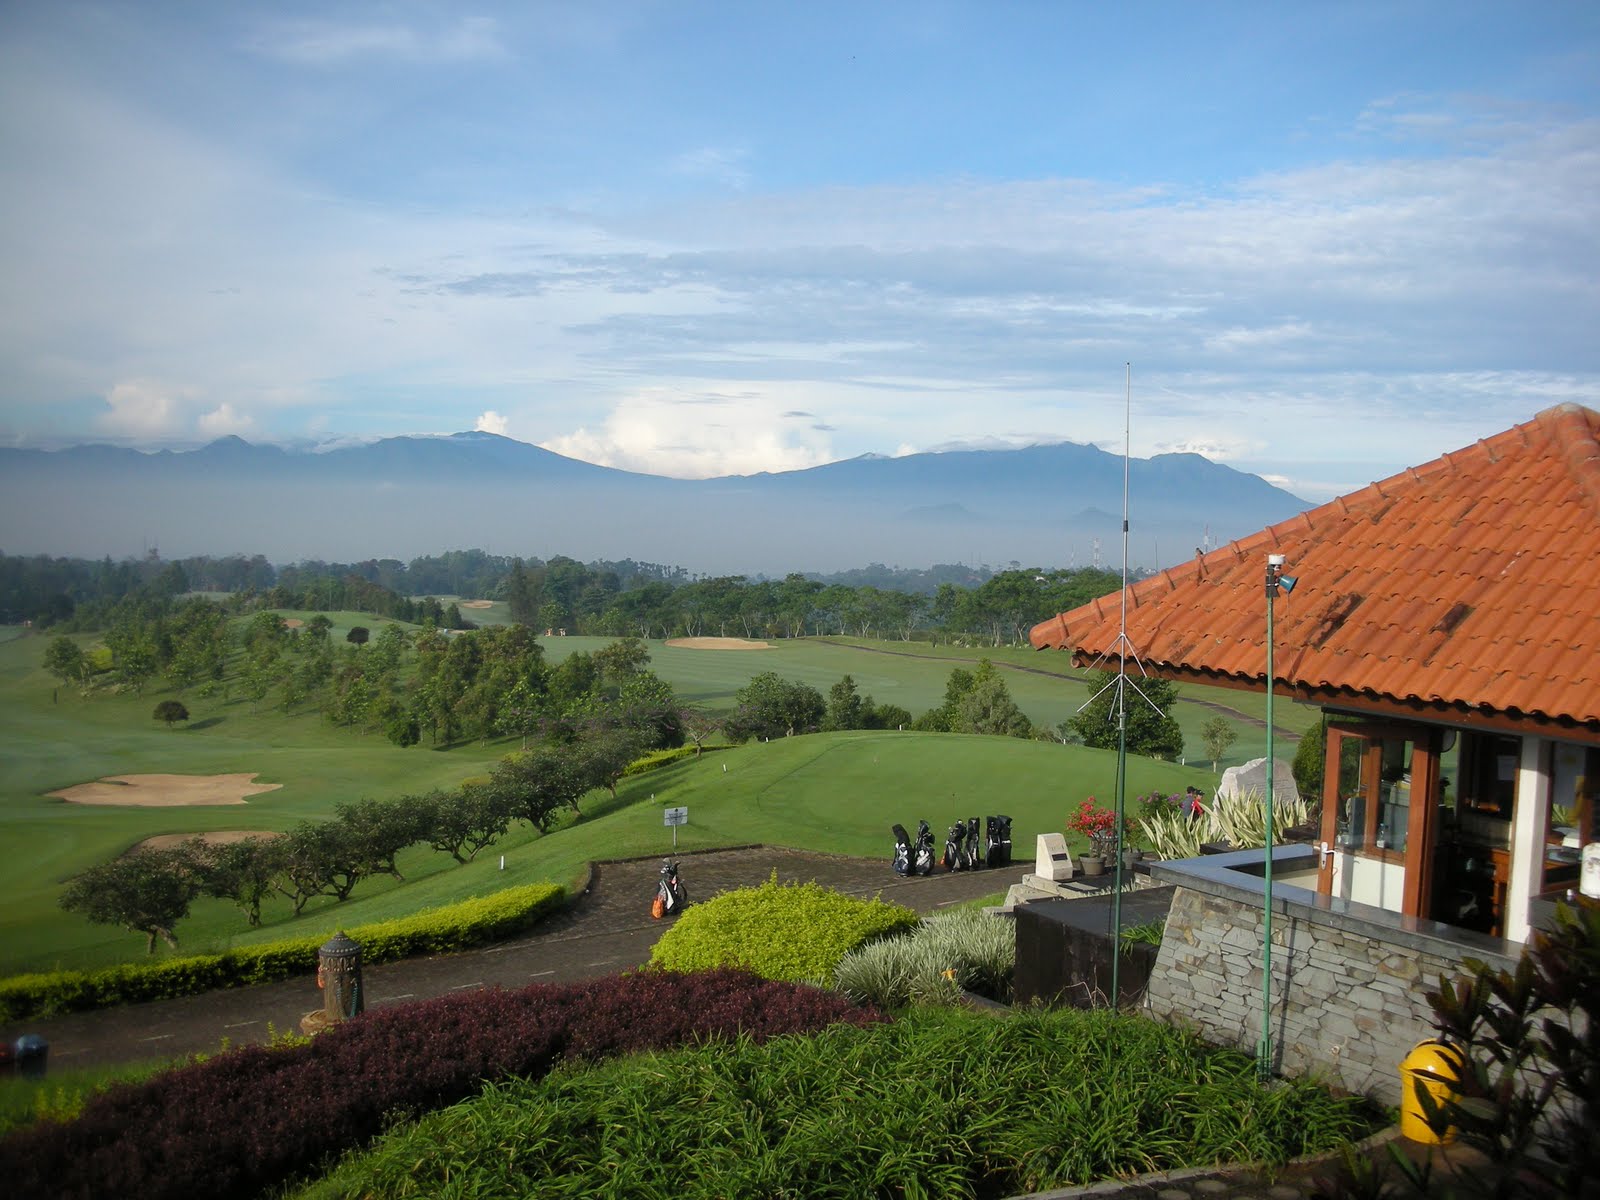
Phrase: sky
pixel 1319 242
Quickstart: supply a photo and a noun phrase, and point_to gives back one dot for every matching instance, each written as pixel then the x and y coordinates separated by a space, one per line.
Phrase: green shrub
pixel 942 1102
pixel 797 932
pixel 468 923
pixel 657 759
pixel 962 949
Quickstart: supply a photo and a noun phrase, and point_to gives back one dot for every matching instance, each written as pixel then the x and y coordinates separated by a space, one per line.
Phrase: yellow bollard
pixel 1435 1067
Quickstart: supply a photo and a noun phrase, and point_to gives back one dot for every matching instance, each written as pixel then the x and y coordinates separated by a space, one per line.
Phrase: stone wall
pixel 1348 997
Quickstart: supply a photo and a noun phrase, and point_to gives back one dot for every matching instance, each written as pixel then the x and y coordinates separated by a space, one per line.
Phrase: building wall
pixel 1346 1003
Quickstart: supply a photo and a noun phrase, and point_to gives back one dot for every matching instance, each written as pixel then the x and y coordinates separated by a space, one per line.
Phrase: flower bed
pixel 250 1119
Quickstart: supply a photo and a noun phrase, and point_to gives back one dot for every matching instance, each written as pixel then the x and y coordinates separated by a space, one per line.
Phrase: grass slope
pixel 837 793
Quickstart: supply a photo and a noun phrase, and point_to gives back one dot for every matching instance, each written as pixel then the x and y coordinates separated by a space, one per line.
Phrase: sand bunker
pixel 717 643
pixel 477 604
pixel 166 791
pixel 217 837
pixel 292 622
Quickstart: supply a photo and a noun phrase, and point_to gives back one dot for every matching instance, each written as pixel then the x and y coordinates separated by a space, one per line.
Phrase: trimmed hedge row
pixel 467 923
pixel 253 1118
pixel 796 931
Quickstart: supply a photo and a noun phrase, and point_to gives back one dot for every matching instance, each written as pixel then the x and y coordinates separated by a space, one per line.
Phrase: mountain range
pixel 1045 505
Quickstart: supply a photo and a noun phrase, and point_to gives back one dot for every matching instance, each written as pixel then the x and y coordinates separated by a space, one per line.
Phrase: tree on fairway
pixel 240 871
pixel 769 707
pixel 698 727
pixel 602 753
pixel 171 711
pixel 534 785
pixel 844 706
pixel 358 635
pixel 464 822
pixel 1218 734
pixel 65 659
pixel 987 707
pixel 146 892
pixel 1152 731
pixel 375 831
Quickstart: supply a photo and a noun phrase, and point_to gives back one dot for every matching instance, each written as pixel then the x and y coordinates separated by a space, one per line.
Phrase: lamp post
pixel 1276 580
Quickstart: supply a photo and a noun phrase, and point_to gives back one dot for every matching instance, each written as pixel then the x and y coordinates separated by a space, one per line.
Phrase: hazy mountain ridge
pixel 1042 505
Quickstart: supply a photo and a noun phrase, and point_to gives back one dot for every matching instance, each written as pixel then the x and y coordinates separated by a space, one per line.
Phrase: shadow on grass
pixel 204 723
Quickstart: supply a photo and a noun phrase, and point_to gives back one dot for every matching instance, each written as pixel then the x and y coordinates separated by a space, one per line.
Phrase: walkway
pixel 608 930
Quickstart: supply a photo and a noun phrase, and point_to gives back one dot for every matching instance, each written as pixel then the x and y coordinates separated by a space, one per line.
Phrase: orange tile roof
pixel 1468 584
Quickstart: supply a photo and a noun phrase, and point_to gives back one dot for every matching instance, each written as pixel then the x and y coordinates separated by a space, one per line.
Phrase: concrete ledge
pixel 1239 875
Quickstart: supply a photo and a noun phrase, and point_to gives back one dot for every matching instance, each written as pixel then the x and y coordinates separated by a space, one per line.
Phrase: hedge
pixel 467 923
pixel 791 931
pixel 249 1120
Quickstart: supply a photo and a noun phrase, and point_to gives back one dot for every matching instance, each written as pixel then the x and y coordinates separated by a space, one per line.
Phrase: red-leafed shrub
pixel 252 1118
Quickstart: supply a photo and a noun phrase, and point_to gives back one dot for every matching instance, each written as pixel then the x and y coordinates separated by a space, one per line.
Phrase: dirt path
pixel 608 930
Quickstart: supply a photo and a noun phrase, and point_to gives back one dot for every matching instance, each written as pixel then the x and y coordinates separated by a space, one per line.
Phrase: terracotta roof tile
pixel 1471 580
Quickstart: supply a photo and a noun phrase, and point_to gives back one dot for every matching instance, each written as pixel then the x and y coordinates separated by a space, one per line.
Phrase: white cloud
pixel 697 435
pixel 143 408
pixel 327 43
pixel 224 419
pixel 491 422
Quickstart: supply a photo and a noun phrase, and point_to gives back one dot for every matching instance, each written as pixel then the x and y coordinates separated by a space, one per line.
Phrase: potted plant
pixel 1099 825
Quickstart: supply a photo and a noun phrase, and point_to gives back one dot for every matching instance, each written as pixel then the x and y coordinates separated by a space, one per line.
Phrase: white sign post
pixel 674 817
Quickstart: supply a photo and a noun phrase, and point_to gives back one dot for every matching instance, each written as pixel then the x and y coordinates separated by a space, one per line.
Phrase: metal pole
pixel 1120 805
pixel 1264 1056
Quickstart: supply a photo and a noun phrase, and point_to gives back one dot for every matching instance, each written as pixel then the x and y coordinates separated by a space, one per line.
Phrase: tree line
pixel 605 599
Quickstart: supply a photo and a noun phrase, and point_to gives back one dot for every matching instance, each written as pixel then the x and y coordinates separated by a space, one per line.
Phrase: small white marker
pixel 502 862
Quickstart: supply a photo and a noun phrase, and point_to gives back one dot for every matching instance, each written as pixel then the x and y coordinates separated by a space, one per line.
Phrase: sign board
pixel 1052 862
pixel 675 816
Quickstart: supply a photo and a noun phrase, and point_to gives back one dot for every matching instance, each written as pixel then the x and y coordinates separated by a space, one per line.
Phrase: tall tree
pixel 1152 729
pixel 1218 734
pixel 65 659
pixel 148 892
pixel 844 706
pixel 987 707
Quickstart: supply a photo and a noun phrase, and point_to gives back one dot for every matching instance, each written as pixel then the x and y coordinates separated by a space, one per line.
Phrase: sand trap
pixel 477 604
pixel 292 622
pixel 165 791
pixel 717 643
pixel 218 837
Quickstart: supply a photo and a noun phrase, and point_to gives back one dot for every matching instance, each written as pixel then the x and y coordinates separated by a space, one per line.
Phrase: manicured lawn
pixel 835 793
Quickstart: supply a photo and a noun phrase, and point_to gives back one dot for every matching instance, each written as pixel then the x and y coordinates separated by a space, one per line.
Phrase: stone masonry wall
pixel 1345 1006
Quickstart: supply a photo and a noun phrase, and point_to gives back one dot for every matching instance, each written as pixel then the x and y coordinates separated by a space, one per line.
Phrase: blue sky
pixel 1333 240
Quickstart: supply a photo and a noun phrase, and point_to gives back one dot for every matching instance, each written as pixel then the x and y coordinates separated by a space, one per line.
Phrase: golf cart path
pixel 607 930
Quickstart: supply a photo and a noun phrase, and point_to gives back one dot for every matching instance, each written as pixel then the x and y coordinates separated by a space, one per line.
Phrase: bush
pixel 248 1120
pixel 796 932
pixel 453 927
pixel 955 950
pixel 940 1103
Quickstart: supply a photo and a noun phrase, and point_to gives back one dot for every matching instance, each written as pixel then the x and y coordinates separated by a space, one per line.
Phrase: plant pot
pixel 1092 864
pixel 1130 857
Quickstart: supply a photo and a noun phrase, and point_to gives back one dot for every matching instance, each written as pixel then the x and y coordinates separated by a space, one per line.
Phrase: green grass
pixel 939 1103
pixel 835 793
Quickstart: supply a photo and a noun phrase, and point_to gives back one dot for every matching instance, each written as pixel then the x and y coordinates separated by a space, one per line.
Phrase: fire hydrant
pixel 1436 1068
pixel 339 977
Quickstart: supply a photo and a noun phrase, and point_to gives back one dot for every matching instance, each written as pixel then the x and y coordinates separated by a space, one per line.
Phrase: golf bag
pixel 902 850
pixel 670 892
pixel 974 845
pixel 955 848
pixel 922 856
pixel 999 835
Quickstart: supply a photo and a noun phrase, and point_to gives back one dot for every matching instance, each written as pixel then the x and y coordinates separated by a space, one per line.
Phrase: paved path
pixel 608 930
